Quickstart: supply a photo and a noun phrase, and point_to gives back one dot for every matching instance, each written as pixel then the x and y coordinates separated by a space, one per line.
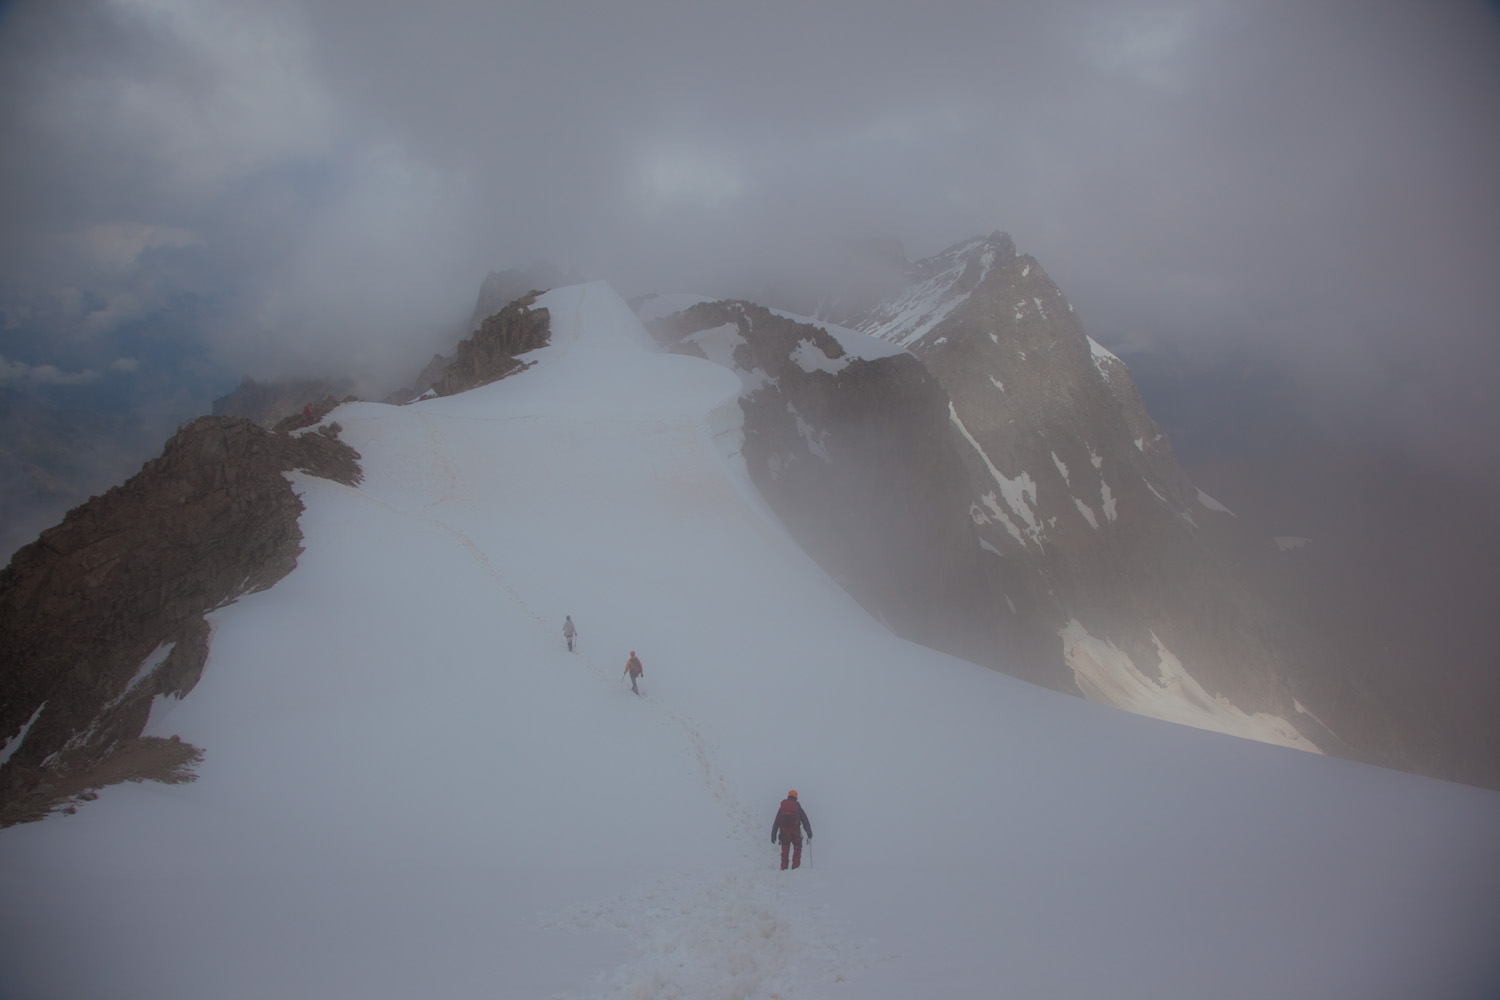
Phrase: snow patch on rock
pixel 1019 493
pixel 1103 357
pixel 925 304
pixel 718 343
pixel 148 665
pixel 996 514
pixel 1108 499
pixel 810 358
pixel 1107 675
pixel 1213 504
pixel 14 743
pixel 856 345
pixel 813 437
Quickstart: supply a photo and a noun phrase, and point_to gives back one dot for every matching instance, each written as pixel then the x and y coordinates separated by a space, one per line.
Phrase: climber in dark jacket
pixel 787 827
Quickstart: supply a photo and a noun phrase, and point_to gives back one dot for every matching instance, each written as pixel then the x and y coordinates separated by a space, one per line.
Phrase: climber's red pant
pixel 794 845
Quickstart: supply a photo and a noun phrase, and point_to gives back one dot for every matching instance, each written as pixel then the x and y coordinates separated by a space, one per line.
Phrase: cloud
pixel 680 176
pixel 18 373
pixel 235 91
pixel 1148 44
pixel 116 248
pixel 326 182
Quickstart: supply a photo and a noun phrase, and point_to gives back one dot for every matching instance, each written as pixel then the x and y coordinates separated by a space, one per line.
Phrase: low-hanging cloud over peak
pixel 322 184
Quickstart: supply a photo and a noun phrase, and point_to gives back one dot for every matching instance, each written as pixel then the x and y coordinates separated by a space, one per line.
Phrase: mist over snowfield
pixel 411 788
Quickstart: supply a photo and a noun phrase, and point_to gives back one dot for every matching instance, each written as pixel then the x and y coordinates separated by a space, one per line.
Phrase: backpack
pixel 788 818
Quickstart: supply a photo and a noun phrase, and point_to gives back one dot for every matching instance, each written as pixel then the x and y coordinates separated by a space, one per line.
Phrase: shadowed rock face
pixel 858 460
pixel 106 610
pixel 1076 490
pixel 490 354
pixel 1072 486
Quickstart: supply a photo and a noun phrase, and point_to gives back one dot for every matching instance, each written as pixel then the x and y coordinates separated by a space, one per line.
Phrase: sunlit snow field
pixel 412 789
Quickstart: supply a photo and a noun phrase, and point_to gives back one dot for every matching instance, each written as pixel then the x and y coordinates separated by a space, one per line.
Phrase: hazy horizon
pixel 195 191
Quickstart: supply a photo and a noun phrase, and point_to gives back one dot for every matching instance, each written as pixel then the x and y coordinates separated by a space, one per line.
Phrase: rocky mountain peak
pixel 491 352
pixel 1001 243
pixel 1076 495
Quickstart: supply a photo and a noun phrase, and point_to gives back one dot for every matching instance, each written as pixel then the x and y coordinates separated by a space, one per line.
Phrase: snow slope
pixel 412 789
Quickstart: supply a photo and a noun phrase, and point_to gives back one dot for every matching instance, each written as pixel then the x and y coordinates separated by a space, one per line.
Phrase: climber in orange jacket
pixel 787 827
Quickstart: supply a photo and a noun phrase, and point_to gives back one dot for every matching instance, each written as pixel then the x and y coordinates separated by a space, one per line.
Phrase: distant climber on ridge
pixel 570 631
pixel 634 669
pixel 787 826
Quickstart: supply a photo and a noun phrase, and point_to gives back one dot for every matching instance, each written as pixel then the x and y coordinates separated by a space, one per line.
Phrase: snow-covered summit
pixel 936 287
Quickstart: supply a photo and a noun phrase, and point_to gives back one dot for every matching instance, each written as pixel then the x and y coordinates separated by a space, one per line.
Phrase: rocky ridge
pixel 105 611
pixel 491 353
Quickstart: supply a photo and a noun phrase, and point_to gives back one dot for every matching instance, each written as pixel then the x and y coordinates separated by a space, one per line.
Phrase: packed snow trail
pixel 411 788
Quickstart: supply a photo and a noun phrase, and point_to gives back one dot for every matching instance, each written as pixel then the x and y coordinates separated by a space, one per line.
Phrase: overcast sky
pixel 278 186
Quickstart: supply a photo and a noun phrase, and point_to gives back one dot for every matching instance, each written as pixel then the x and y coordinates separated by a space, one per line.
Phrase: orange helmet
pixel 792 794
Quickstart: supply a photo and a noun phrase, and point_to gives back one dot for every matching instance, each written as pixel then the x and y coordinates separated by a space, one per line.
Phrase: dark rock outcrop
pixel 858 460
pixel 311 414
pixel 490 354
pixel 105 611
pixel 500 288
